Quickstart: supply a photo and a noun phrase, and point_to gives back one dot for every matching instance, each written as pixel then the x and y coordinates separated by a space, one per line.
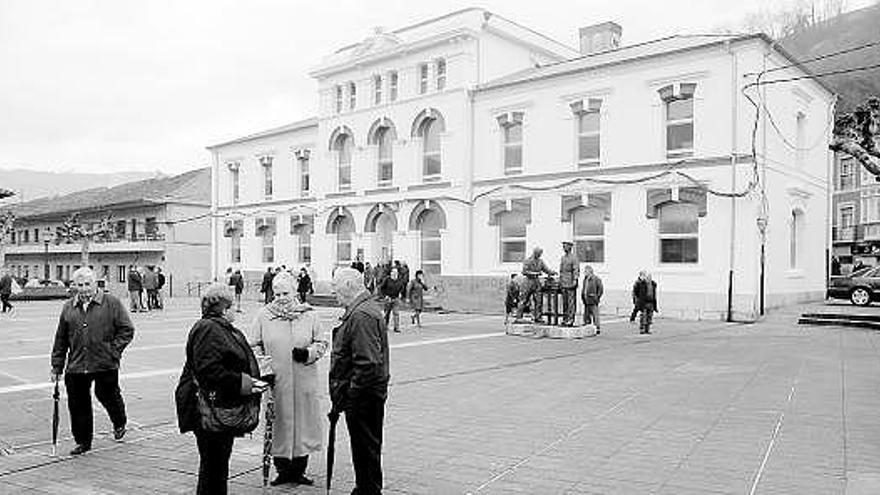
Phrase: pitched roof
pixel 293 126
pixel 191 187
pixel 627 53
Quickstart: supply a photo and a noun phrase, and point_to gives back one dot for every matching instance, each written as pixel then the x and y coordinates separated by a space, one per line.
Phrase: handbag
pixel 235 420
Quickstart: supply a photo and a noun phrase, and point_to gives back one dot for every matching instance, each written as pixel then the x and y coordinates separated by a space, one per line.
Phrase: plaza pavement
pixel 695 408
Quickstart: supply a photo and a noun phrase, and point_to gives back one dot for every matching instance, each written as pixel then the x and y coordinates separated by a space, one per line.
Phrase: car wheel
pixel 860 297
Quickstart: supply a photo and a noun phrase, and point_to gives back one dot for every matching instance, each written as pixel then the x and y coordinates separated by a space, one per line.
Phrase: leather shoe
pixel 302 480
pixel 80 449
pixel 118 433
pixel 281 480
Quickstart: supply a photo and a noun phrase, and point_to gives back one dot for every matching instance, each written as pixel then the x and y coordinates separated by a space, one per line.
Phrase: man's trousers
pixel 569 304
pixel 79 401
pixel 364 419
pixel 531 293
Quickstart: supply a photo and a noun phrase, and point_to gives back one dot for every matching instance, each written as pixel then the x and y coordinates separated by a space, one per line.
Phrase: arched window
pixel 679 228
pixel 796 235
pixel 343 147
pixel 384 140
pixel 588 226
pixel 512 238
pixel 343 227
pixel 431 163
pixel 429 223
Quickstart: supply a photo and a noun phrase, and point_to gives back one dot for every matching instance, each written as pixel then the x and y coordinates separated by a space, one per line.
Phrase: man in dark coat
pixel 266 286
pixel 161 285
pixel 135 287
pixel 5 290
pixel 646 300
pixel 392 290
pixel 533 266
pixel 359 374
pixel 358 263
pixel 591 295
pixel 93 330
pixel 236 283
pixel 569 274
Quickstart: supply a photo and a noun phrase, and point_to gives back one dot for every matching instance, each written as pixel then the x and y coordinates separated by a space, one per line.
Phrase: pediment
pixel 379 41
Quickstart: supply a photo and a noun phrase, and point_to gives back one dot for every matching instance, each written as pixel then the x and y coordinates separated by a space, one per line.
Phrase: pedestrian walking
pixel 646 300
pixel 359 373
pixel 291 334
pixel 369 278
pixel 635 310
pixel 5 290
pixel 304 285
pixel 135 286
pixel 591 295
pixel 236 286
pixel 569 275
pixel 93 331
pixel 532 268
pixel 391 292
pixel 416 291
pixel 221 368
pixel 266 285
pixel 403 272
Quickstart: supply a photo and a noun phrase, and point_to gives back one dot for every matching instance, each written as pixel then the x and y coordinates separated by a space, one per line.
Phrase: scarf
pixel 286 311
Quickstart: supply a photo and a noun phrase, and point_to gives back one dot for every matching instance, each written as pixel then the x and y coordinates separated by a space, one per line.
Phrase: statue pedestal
pixel 549 331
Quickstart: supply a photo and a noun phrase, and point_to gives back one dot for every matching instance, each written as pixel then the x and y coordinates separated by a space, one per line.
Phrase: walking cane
pixel 268 433
pixel 331 446
pixel 55 399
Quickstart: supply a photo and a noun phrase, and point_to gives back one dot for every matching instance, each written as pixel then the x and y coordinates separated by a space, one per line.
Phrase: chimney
pixel 600 37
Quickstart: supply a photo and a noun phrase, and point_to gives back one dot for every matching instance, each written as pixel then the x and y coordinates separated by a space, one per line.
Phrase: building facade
pixel 855 215
pixel 461 142
pixel 160 222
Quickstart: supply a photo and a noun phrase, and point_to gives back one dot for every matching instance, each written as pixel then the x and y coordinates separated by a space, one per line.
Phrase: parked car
pixel 42 290
pixel 860 287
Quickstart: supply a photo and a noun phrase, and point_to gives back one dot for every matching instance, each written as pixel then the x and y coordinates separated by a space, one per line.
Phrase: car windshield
pixel 862 272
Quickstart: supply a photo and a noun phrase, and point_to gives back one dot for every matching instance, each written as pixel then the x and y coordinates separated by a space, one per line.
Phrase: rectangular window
pixel 121 273
pixel 441 74
pixel 59 272
pixel 120 229
pixel 392 86
pixel 512 229
pixel 268 249
pixel 266 162
pixel 304 248
pixel 134 232
pixel 513 153
pixel 338 99
pixel 304 176
pixel 27 236
pixel 377 90
pixel 235 251
pixel 235 187
pixel 588 138
pixel 588 227
pixel 36 235
pixel 423 78
pixel 151 229
pixel 679 226
pixel 352 96
pixel 679 110
pixel 846 174
pixel 105 272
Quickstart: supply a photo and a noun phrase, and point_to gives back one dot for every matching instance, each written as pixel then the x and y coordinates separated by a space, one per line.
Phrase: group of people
pixel 149 279
pixel 524 291
pixel 391 284
pixel 227 368
pixel 303 287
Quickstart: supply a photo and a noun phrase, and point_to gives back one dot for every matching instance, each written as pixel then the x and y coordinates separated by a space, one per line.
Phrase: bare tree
pixel 72 231
pixel 857 134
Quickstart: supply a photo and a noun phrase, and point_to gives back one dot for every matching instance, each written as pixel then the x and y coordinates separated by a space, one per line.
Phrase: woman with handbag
pixel 291 334
pixel 218 396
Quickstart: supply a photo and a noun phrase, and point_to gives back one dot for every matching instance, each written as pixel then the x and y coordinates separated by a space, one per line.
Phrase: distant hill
pixel 29 184
pixel 839 33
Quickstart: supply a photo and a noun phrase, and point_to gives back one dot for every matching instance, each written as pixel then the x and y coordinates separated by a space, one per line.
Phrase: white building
pixel 460 142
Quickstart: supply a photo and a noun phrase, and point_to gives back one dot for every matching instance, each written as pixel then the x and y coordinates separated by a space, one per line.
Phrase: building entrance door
pixel 383 242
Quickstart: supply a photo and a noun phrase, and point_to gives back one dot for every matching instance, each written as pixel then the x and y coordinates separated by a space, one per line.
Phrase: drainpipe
pixel 215 198
pixel 763 220
pixel 733 123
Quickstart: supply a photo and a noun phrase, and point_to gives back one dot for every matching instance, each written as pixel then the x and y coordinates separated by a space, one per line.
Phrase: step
pixel 872 325
pixel 843 316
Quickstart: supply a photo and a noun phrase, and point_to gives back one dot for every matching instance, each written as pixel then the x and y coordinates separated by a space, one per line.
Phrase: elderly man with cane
pixel 93 330
pixel 359 377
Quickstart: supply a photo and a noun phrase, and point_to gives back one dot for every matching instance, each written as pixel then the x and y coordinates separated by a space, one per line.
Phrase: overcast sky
pixel 100 86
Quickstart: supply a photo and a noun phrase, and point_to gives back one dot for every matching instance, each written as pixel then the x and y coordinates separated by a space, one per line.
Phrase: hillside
pixel 845 31
pixel 29 184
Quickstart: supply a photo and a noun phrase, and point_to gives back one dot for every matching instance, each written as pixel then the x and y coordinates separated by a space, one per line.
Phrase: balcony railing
pixel 140 237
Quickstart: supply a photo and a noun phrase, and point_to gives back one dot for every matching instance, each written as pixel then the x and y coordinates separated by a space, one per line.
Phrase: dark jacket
pixel 359 365
pixel 135 282
pixel 94 340
pixel 236 281
pixel 645 294
pixel 161 278
pixel 304 284
pixel 416 291
pixel 219 357
pixel 392 288
pixel 358 265
pixel 6 284
pixel 569 271
pixel 266 286
pixel 592 291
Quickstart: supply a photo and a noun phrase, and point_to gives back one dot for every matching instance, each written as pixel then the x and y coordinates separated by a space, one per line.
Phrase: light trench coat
pixel 298 418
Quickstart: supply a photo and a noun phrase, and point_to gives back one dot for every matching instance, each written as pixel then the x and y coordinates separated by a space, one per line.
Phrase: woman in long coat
pixel 292 335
